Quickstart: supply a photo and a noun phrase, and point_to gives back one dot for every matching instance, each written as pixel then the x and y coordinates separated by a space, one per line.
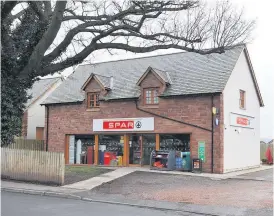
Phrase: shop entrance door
pixel 148 145
pixel 140 148
pixel 135 147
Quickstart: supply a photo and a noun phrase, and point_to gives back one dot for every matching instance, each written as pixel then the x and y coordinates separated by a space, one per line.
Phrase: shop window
pixel 135 145
pixel 149 144
pixel 140 148
pixel 84 149
pixel 242 99
pixel 151 96
pixel 111 148
pixel 93 100
pixel 178 142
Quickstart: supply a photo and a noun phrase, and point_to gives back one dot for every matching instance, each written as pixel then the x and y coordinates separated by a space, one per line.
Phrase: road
pixel 14 204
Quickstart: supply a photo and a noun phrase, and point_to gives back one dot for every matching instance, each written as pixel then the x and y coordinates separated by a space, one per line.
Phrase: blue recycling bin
pixel 186 161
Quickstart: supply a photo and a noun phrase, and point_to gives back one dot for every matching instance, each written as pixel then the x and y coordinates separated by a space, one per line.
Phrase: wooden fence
pixel 30 144
pixel 35 166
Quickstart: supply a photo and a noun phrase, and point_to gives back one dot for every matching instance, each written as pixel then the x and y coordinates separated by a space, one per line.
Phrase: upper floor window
pixel 93 100
pixel 242 99
pixel 151 96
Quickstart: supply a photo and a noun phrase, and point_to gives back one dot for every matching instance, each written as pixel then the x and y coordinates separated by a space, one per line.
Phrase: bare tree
pixel 43 37
pixel 185 25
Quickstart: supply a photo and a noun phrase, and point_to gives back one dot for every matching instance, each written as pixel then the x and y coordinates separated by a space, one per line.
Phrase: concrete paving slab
pixel 99 180
pixel 263 175
pixel 209 175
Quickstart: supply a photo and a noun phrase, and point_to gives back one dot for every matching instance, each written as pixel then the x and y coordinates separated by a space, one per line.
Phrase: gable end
pixel 254 78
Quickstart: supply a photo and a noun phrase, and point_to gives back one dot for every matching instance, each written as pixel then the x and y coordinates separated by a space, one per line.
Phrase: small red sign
pixel 242 121
pixel 117 125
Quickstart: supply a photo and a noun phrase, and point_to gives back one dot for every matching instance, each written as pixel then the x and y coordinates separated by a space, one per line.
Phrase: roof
pixel 190 73
pixel 104 81
pixel 39 88
pixel 162 75
pixel 254 79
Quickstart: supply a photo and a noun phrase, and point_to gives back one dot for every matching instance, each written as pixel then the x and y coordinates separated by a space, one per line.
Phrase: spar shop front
pixel 117 113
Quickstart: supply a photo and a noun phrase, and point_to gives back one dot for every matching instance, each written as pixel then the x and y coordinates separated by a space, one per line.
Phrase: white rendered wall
pixel 36 113
pixel 241 149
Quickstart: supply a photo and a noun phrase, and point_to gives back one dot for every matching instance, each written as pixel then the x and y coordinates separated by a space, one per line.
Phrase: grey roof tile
pixel 190 73
pixel 39 88
pixel 106 81
pixel 163 74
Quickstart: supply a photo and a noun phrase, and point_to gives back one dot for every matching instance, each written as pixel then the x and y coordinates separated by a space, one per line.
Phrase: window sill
pixel 93 109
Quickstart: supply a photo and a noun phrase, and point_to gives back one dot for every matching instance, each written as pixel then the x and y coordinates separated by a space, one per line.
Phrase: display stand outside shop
pixel 196 165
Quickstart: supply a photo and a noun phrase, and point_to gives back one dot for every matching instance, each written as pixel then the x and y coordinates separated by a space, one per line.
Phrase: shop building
pixel 116 113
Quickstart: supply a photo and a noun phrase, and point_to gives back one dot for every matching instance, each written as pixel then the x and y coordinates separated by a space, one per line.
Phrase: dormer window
pixel 93 100
pixel 151 96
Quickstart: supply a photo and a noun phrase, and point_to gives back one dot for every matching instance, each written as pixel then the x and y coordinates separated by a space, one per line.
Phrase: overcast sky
pixel 262 57
pixel 260 50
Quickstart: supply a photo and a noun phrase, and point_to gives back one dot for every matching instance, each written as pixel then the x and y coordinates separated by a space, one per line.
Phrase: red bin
pixel 107 158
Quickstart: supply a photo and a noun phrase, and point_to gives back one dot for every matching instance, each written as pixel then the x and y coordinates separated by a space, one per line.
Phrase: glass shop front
pixel 111 150
pixel 122 149
pixel 82 152
pixel 140 148
pixel 130 149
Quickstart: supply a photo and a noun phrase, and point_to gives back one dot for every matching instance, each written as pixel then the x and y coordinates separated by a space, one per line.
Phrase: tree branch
pixel 48 10
pixel 78 58
pixel 6 8
pixel 47 39
pixel 104 19
pixel 11 18
pixel 154 36
pixel 92 47
pixel 37 7
pixel 137 49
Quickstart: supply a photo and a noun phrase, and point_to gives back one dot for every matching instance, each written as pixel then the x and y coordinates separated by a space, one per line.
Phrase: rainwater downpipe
pixel 175 120
pixel 196 126
pixel 212 134
pixel 47 134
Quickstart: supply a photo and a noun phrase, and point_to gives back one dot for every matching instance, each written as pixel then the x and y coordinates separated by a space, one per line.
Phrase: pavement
pixel 91 183
pixel 101 179
pixel 262 175
pixel 241 190
pixel 27 188
pixel 209 175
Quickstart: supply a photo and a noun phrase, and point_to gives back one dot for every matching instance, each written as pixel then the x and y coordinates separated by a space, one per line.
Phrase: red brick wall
pixel 25 124
pixel 75 119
